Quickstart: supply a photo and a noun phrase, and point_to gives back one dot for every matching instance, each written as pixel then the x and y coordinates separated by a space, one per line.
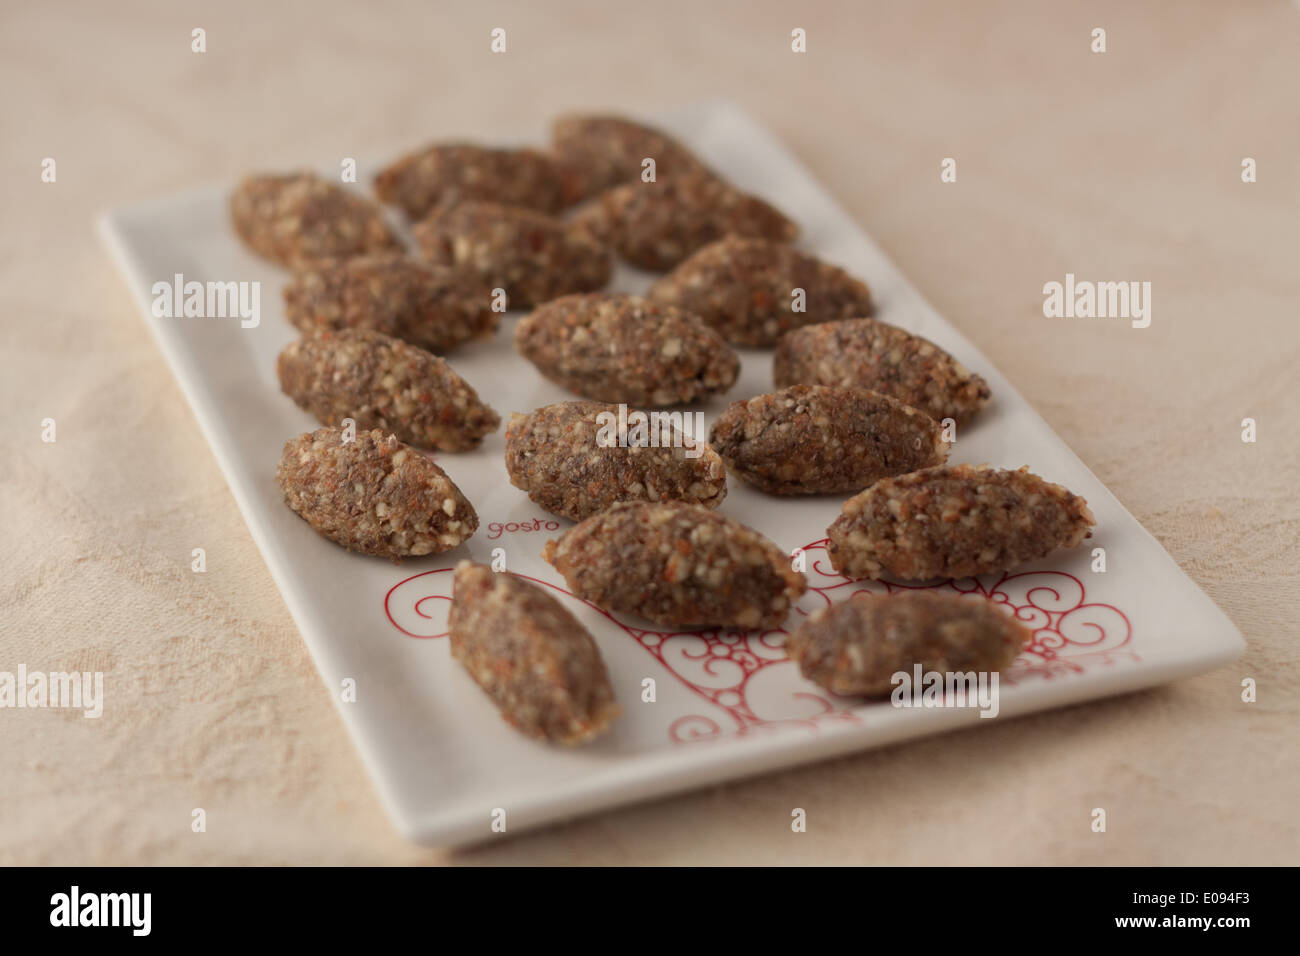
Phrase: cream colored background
pixel 1117 166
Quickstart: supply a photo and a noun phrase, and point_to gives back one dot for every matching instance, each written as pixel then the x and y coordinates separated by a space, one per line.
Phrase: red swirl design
pixel 1070 634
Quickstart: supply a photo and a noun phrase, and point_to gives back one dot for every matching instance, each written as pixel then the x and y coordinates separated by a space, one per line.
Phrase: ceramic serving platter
pixel 725 704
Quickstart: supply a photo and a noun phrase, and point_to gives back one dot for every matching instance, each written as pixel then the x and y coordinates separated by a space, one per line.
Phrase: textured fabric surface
pixel 1122 165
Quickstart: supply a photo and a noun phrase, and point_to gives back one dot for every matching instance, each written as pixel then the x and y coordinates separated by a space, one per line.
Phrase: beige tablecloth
pixel 1120 165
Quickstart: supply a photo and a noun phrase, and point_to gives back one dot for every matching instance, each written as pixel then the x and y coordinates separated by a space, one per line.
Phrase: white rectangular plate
pixel 726 704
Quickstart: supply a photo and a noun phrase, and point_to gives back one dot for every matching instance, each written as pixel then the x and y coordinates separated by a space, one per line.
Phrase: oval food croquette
pixel 605 151
pixel 384 383
pixel 446 173
pixel 300 218
pixel 436 309
pixel 373 494
pixel 541 667
pixel 864 353
pixel 573 462
pixel 748 289
pixel 656 225
pixel 530 255
pixel 855 647
pixel 677 565
pixel 812 439
pixel 623 348
pixel 954 522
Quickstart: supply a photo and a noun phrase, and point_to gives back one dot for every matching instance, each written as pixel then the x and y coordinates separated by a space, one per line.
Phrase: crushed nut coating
pixel 812 439
pixel 657 225
pixel 745 288
pixel 870 354
pixel 678 565
pixel 557 456
pixel 854 648
pixel 384 383
pixel 301 218
pixel 607 151
pixel 373 494
pixel 447 173
pixel 623 348
pixel 541 667
pixel 534 257
pixel 954 522
pixel 436 309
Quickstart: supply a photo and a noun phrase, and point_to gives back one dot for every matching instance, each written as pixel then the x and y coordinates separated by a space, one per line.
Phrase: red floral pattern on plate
pixel 1070 635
